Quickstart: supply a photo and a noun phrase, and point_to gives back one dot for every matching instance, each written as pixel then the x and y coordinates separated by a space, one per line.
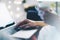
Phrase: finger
pixel 24 26
pixel 23 22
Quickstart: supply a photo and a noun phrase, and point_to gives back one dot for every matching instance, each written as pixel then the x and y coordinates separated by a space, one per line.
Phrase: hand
pixel 26 23
pixel 30 23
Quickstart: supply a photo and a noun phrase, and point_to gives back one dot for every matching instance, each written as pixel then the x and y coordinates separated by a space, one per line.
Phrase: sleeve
pixel 47 32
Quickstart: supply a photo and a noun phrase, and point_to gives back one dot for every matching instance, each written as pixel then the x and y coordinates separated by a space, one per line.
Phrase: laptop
pixel 25 34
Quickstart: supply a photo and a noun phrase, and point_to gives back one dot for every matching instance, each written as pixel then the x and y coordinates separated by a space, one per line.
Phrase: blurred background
pixel 15 7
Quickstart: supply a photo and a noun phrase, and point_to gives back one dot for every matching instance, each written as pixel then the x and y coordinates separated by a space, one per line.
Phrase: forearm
pixel 41 23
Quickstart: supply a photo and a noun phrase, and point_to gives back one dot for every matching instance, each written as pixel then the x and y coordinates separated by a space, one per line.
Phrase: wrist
pixel 40 23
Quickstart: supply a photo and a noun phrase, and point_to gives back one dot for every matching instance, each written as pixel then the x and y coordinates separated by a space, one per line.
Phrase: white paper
pixel 24 33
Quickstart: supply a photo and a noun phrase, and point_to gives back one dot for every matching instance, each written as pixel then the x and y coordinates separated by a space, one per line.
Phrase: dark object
pixel 32 14
pixel 10 24
pixel 1 28
pixel 7 25
pixel 24 1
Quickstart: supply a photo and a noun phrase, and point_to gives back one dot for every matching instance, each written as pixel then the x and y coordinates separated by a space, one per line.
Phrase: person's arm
pixel 40 23
pixel 30 23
